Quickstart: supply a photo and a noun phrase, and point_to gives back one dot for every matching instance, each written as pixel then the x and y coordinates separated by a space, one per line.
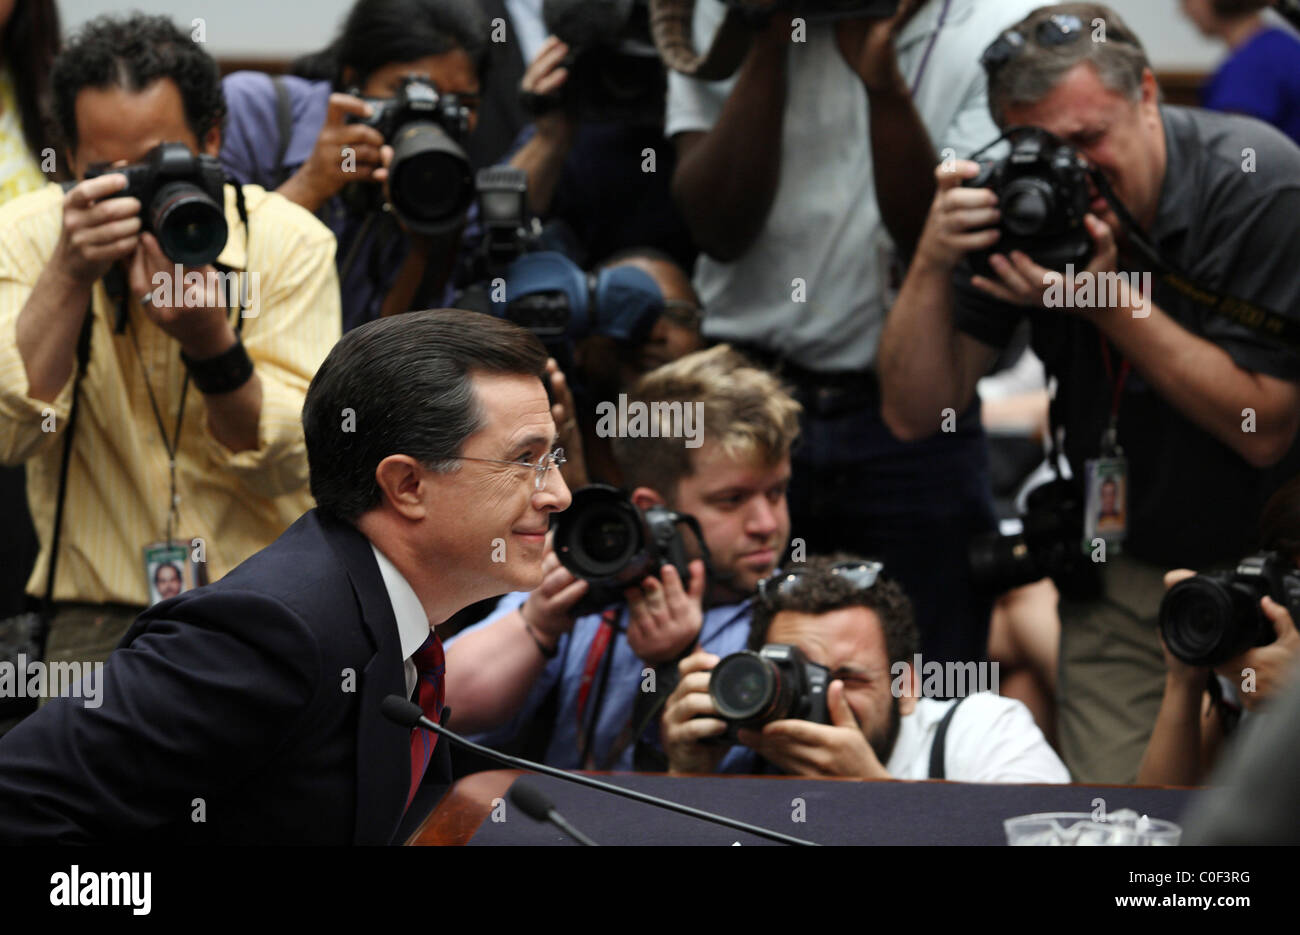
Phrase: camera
pixel 429 182
pixel 543 290
pixel 1209 619
pixel 605 539
pixel 615 73
pixel 1050 545
pixel 751 689
pixel 182 201
pixel 1043 194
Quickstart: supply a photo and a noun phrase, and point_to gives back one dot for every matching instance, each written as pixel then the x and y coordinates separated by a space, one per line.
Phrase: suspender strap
pixel 940 742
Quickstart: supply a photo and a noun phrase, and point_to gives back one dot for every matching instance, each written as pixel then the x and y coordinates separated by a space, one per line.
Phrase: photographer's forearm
pixel 904 162
pixel 1203 382
pixel 301 189
pixel 1173 754
pixel 490 673
pixel 919 360
pixel 543 159
pixel 48 328
pixel 726 179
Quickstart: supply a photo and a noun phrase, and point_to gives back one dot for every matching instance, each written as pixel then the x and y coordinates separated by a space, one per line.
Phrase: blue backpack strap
pixel 284 122
pixel 940 742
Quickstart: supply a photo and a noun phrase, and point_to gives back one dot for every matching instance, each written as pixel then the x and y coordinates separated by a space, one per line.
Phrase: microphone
pixel 408 714
pixel 534 803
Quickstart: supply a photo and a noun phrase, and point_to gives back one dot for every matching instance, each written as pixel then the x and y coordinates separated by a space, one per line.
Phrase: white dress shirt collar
pixel 412 622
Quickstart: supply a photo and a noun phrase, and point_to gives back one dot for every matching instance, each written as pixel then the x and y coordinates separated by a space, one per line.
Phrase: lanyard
pixel 1111 438
pixel 925 58
pixel 171 446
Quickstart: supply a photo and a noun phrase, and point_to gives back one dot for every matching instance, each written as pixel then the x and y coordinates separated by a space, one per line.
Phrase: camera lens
pixel 744 686
pixel 191 228
pixel 1000 563
pixel 1205 621
pixel 429 179
pixel 600 536
pixel 1027 206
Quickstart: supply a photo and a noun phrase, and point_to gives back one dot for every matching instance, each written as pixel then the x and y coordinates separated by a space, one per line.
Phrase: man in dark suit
pixel 249 711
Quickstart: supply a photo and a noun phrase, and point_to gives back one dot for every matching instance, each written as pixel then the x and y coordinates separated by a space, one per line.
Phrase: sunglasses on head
pixel 861 575
pixel 1057 30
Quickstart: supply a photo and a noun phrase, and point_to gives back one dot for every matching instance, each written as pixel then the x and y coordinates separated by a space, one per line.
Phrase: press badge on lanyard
pixel 1105 513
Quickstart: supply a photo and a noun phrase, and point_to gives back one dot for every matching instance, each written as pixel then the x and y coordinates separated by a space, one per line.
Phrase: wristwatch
pixel 225 373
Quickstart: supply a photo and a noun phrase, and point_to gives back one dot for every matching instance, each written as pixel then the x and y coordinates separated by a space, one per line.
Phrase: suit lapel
pixel 383 748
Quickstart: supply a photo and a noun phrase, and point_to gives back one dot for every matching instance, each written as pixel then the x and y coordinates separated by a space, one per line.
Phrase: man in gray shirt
pixel 1204 410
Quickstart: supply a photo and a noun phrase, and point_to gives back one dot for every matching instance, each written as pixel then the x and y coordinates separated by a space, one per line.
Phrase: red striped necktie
pixel 430 666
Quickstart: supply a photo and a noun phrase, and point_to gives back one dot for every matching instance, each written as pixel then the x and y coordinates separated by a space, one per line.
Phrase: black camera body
pixel 182 200
pixel 750 689
pixel 1208 619
pixel 1043 193
pixel 605 539
pixel 430 185
pixel 615 73
pixel 1051 545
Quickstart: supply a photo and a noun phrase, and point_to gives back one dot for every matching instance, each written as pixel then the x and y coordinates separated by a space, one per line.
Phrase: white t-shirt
pixel 824 227
pixel 990 739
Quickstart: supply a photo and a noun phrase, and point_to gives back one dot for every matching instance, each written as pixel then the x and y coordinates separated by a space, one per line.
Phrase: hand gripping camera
pixel 604 538
pixel 182 200
pixel 1043 194
pixel 1209 619
pixel 429 182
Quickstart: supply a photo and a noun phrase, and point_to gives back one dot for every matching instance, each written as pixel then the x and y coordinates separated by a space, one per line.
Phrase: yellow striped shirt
pixel 118 479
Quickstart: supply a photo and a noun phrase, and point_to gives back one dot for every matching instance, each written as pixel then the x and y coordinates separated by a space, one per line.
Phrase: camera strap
pixel 1257 318
pixel 598 652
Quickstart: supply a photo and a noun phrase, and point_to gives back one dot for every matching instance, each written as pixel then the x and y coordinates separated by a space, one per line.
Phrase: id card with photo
pixel 1105 512
pixel 169 570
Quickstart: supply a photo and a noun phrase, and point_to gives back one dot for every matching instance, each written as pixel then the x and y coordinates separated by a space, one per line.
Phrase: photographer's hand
pixel 542 157
pixel 548 612
pixel 689 718
pixel 820 750
pixel 961 219
pixel 867 45
pixel 198 322
pixel 664 618
pixel 1274 664
pixel 1024 282
pixel 564 413
pixel 344 152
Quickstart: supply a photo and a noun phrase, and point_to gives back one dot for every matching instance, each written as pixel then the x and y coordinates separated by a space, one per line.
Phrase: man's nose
pixel 554 496
pixel 762 519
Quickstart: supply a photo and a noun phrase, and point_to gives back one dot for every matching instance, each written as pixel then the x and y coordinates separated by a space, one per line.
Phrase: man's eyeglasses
pixel 861 575
pixel 685 314
pixel 541 469
pixel 1057 30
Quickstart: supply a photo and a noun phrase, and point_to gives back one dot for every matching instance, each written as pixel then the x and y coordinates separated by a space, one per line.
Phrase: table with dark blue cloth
pixel 832 811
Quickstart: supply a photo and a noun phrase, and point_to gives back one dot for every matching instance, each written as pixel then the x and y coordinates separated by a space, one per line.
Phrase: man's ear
pixel 403 486
pixel 211 142
pixel 646 497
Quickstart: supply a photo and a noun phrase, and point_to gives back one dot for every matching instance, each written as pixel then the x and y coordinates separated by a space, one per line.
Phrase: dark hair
pixel 379 32
pixel 132 53
pixel 822 592
pixel 1279 525
pixel 159 570
pixel 403 385
pixel 31 41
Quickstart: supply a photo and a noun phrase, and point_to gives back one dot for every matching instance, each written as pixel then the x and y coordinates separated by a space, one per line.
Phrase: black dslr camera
pixel 751 689
pixel 1050 545
pixel 606 540
pixel 182 201
pixel 615 73
pixel 429 180
pixel 1209 619
pixel 1043 194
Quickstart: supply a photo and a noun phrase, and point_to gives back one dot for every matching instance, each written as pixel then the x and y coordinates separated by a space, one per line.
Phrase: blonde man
pixel 576 690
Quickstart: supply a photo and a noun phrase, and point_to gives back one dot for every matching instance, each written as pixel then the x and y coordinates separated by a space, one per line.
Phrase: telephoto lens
pixel 751 689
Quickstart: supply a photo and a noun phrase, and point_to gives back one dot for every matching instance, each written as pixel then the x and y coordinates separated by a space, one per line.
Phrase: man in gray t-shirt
pixel 805 180
pixel 1205 411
